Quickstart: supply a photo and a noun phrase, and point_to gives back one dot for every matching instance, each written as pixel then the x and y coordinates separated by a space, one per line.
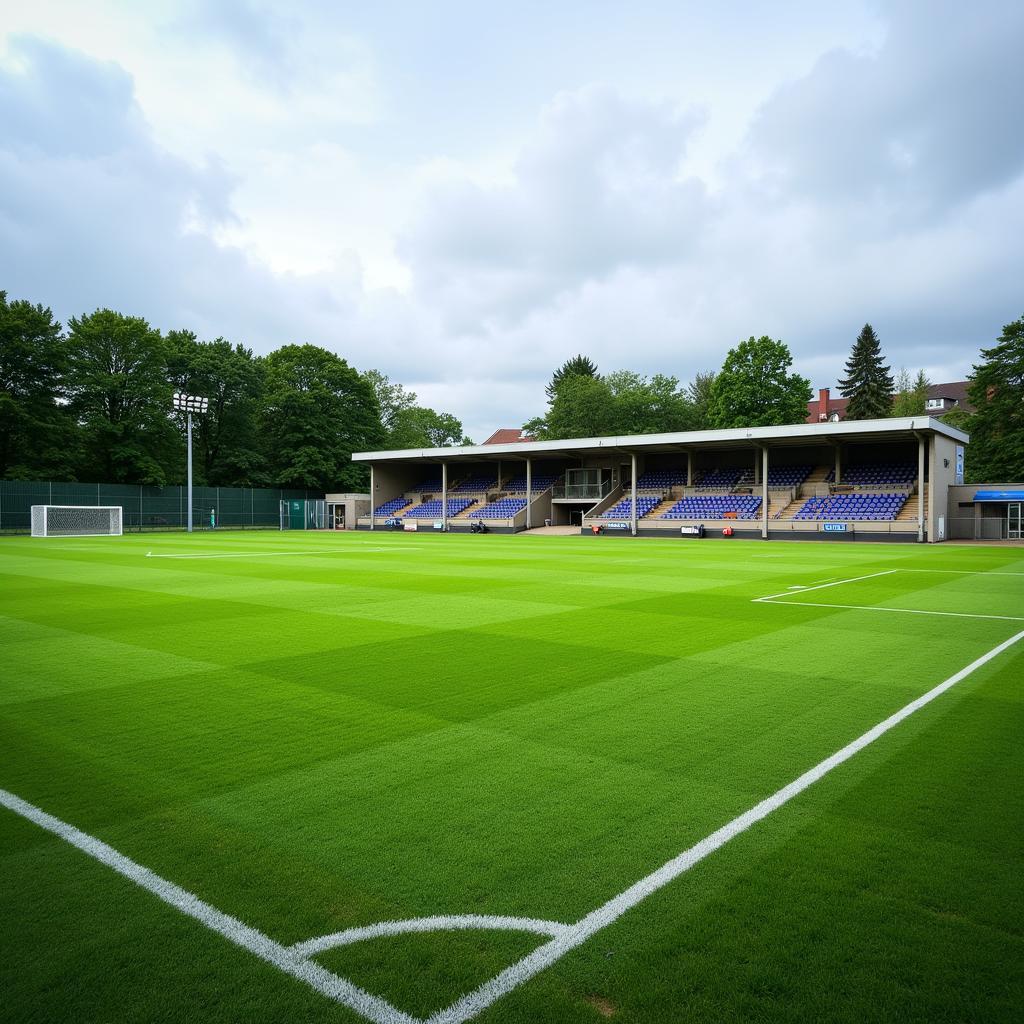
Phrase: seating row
pixel 872 507
pixel 624 508
pixel 433 509
pixel 475 485
pixel 506 508
pixel 538 483
pixel 715 506
pixel 880 473
pixel 389 508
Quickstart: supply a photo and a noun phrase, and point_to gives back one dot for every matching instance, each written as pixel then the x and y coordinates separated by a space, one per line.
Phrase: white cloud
pixel 466 212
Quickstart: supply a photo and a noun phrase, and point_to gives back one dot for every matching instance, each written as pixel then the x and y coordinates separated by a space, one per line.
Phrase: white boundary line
pixel 966 572
pixel 825 586
pixel 566 937
pixel 799 591
pixel 886 608
pixel 339 989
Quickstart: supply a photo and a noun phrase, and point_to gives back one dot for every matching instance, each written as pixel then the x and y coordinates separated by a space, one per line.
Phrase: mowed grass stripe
pixel 442 749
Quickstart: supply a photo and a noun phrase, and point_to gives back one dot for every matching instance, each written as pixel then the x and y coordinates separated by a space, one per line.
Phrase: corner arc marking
pixel 441 923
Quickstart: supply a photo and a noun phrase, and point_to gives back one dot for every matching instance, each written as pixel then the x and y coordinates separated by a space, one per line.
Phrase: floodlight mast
pixel 189 404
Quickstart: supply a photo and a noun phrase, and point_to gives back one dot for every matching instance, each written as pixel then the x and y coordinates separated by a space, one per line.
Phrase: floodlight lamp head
pixel 190 403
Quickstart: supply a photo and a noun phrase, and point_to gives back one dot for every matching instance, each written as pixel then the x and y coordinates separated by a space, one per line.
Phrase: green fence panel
pixel 150 508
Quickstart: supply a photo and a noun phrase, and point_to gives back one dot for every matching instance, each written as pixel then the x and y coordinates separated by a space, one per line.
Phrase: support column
pixel 444 496
pixel 689 469
pixel 499 474
pixel 372 497
pixel 764 492
pixel 529 494
pixel 632 515
pixel 189 463
pixel 977 520
pixel 920 489
pixel 839 460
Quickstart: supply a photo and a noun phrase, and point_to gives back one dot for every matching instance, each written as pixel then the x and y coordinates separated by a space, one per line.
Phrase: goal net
pixel 76 520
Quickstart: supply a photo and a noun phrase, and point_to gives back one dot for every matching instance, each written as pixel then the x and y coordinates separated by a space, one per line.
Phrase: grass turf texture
pixel 315 732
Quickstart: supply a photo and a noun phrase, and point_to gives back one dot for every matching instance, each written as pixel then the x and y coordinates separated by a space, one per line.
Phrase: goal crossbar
pixel 76 520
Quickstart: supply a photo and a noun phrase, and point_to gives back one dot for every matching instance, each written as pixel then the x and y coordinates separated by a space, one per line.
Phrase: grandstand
pixel 871 479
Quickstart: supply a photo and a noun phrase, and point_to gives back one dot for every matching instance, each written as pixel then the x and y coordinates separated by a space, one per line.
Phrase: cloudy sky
pixel 464 194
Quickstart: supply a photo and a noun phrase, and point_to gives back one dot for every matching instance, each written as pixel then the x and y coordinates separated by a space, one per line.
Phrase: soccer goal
pixel 76 520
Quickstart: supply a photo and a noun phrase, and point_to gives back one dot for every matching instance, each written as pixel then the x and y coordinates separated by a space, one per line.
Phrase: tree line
pixel 94 402
pixel 756 387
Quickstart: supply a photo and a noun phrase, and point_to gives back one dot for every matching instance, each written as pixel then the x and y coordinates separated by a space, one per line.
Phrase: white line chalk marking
pixel 906 611
pixel 447 923
pixel 339 989
pixel 546 955
pixel 837 583
pixel 967 572
pixel 566 937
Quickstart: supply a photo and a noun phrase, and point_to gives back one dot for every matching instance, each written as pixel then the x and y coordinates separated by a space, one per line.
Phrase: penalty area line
pixel 889 608
pixel 823 586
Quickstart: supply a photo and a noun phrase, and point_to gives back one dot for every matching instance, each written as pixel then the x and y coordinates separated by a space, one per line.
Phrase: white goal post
pixel 76 520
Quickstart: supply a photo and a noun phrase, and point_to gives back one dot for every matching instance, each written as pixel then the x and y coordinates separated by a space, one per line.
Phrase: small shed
pixel 344 509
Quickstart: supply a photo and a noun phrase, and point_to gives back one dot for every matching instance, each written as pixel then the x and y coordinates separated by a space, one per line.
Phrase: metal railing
pixel 584 492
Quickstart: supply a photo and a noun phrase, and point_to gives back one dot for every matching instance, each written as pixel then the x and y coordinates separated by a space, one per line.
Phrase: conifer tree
pixel 868 383
pixel 578 366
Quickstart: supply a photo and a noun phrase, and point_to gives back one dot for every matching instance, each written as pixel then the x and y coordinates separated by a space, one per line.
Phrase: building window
pixel 936 403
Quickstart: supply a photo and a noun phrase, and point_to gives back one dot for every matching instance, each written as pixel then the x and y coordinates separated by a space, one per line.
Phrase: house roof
pixel 954 391
pixel 507 435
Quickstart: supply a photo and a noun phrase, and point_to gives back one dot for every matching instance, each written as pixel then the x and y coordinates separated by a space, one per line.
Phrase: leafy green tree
pixel 996 391
pixel 911 396
pixel 318 411
pixel 228 452
pixel 583 406
pixel 578 366
pixel 419 427
pixel 699 393
pixel 868 383
pixel 393 400
pixel 36 439
pixel 648 406
pixel 755 387
pixel 408 425
pixel 118 389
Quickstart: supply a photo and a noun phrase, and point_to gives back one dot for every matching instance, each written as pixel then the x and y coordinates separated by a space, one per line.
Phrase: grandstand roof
pixel 895 429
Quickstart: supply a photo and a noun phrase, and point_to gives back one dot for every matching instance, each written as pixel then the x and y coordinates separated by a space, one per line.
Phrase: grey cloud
pixel 929 120
pixel 596 189
pixel 595 244
pixel 60 105
pixel 259 35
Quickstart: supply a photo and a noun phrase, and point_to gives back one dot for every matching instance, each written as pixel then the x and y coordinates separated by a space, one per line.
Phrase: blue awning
pixel 999 496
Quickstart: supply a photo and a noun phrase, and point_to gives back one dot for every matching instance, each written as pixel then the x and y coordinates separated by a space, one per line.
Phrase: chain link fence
pixel 151 508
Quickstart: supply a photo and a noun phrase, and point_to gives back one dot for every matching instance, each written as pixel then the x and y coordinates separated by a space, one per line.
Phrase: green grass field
pixel 313 733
